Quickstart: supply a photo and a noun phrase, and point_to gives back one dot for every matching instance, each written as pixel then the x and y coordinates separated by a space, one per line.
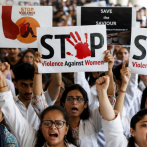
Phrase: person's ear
pixel 66 131
pixel 15 84
pixel 85 105
pixel 132 132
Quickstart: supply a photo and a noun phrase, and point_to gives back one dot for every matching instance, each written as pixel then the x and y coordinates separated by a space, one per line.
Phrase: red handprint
pixel 82 48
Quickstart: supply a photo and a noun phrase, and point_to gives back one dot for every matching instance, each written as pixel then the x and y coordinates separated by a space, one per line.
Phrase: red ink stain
pixel 10 29
pixel 82 48
pixel 68 53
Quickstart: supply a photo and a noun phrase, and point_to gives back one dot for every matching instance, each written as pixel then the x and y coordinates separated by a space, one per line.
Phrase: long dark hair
pixel 135 119
pixel 143 99
pixel 40 138
pixel 86 113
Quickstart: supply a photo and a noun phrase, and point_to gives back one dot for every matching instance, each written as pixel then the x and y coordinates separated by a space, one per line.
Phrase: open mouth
pixel 74 109
pixel 53 135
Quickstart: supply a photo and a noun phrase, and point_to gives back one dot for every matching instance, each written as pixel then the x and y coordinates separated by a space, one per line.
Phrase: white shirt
pixel 28 113
pixel 113 132
pixel 11 87
pixel 19 126
pixel 133 96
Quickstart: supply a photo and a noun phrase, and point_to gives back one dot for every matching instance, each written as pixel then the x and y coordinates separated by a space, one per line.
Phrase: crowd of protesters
pixel 82 109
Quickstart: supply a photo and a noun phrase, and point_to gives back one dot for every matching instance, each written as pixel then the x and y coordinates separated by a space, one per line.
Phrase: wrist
pixel 123 86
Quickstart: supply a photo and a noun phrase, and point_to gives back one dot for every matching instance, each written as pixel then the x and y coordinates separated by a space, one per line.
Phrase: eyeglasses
pixel 58 123
pixel 78 99
pixel 28 57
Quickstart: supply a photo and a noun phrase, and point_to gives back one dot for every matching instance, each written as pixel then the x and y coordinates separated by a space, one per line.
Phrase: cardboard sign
pixel 20 2
pixel 18 25
pixel 138 51
pixel 117 24
pixel 72 49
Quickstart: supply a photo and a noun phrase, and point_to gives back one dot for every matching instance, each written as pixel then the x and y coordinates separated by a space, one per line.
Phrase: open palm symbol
pixel 82 48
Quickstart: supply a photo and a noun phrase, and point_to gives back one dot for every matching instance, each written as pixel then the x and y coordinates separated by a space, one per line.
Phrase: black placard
pixel 118 22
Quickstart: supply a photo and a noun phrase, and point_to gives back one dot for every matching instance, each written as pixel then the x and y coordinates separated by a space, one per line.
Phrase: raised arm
pixel 125 76
pixel 54 86
pixel 106 109
pixel 110 59
pixel 19 126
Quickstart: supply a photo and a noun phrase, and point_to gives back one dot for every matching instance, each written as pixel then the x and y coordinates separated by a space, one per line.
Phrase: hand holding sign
pixel 82 48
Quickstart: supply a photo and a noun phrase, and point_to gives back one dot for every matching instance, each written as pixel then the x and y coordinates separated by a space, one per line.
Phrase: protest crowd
pixel 72 109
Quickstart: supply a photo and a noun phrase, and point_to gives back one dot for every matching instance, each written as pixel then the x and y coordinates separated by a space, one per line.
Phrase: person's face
pixel 1 116
pixel 53 135
pixel 13 52
pixel 28 58
pixel 143 78
pixel 62 89
pixel 75 108
pixel 123 54
pixel 24 88
pixel 140 133
pixel 4 52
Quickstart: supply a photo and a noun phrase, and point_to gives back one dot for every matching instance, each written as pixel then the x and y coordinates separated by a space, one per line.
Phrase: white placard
pixel 138 51
pixel 72 49
pixel 18 25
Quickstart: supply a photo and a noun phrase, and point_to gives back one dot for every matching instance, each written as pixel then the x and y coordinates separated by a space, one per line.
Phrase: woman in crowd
pixel 54 121
pixel 28 56
pixel 85 124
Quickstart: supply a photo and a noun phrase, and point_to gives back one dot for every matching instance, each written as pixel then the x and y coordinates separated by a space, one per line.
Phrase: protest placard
pixel 117 24
pixel 138 51
pixel 18 25
pixel 72 49
pixel 20 2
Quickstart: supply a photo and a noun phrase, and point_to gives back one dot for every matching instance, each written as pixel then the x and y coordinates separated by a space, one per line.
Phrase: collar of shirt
pixel 136 145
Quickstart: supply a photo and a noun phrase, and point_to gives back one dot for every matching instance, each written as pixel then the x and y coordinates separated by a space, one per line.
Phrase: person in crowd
pixel 78 109
pixel 13 58
pixel 111 121
pixel 134 91
pixel 8 78
pixel 28 56
pixel 121 55
pixel 6 138
pixel 54 127
pixel 4 52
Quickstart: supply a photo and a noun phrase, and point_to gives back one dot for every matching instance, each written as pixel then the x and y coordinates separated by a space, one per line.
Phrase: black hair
pixel 135 119
pixel 44 79
pixel 24 71
pixel 29 50
pixel 116 71
pixel 1 57
pixel 127 48
pixel 86 113
pixel 40 138
pixel 28 23
pixel 143 99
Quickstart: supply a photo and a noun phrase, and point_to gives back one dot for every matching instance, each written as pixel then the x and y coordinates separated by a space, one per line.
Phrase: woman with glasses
pixel 54 130
pixel 28 56
pixel 85 124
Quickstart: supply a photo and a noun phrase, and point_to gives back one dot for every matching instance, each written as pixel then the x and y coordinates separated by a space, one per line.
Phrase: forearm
pixel 54 87
pixel 37 84
pixel 106 109
pixel 110 90
pixel 120 99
